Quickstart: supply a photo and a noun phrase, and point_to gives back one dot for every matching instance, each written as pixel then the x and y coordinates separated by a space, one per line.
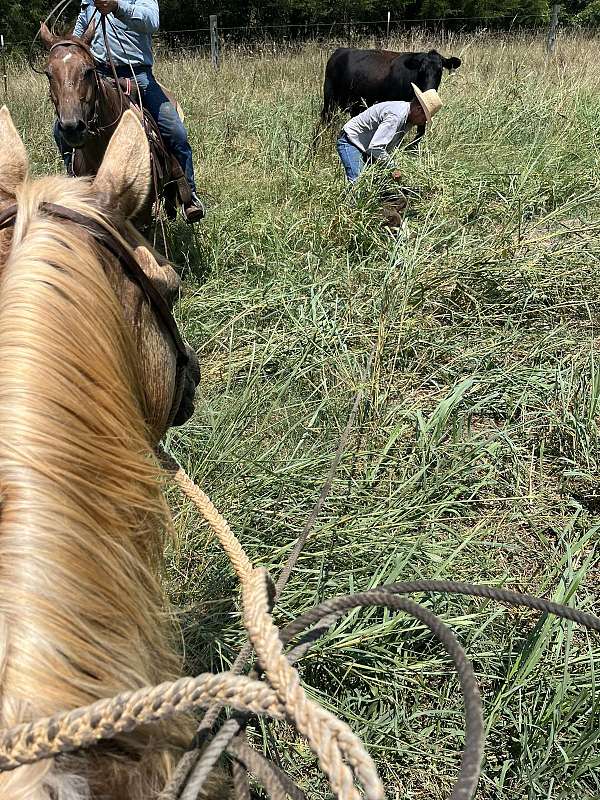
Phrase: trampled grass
pixel 474 455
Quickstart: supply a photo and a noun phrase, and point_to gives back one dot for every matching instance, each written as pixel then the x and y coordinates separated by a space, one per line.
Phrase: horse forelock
pixel 82 511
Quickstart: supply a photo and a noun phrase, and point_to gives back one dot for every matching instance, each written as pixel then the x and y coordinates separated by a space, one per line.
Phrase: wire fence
pixel 379 32
pixel 251 36
pixel 347 28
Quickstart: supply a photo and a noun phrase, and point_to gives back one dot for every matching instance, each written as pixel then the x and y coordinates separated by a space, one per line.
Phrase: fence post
pixel 214 41
pixel 552 29
pixel 387 30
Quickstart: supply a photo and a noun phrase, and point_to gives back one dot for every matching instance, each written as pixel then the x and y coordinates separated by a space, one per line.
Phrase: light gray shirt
pixel 129 31
pixel 378 130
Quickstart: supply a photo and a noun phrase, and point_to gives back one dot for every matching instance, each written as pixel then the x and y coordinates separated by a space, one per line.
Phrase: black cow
pixel 355 79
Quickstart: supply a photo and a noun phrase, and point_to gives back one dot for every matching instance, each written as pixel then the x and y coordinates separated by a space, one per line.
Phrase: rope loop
pixel 279 694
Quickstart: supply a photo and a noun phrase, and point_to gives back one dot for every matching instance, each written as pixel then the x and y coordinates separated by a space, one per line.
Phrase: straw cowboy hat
pixel 429 100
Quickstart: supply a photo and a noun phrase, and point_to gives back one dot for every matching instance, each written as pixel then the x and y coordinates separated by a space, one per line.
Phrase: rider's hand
pixel 106 6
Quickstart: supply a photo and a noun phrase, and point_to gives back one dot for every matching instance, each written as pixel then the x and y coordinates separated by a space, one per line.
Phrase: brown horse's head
pixel 71 71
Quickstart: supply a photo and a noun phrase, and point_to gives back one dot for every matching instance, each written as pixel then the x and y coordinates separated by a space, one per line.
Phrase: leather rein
pixel 124 255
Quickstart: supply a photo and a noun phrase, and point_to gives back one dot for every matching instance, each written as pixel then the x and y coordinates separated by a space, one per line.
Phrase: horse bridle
pixel 74 43
pixel 92 122
pixel 124 255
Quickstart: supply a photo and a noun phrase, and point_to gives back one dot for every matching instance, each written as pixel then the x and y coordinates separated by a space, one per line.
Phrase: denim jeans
pixel 352 158
pixel 163 111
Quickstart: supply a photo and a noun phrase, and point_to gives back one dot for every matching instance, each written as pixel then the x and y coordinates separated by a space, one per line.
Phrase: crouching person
pixel 373 135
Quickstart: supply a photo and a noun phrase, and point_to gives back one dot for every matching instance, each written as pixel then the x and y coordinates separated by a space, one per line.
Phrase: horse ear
pixel 48 38
pixel 124 176
pixel 89 33
pixel 13 156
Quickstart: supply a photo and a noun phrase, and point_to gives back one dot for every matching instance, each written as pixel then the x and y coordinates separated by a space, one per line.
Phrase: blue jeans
pixel 352 158
pixel 163 111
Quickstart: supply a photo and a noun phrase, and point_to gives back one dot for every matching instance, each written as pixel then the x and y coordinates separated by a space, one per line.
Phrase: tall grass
pixel 475 455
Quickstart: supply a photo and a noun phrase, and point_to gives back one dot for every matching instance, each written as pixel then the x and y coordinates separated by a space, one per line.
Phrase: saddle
pixel 166 170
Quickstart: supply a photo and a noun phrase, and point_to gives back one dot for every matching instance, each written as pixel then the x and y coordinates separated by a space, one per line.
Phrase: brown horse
pixel 90 373
pixel 89 108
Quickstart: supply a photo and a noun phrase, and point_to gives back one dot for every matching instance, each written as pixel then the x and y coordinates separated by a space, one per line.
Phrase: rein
pixel 105 237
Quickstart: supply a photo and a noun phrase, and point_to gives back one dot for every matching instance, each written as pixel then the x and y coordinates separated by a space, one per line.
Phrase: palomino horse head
pixel 71 72
pixel 89 373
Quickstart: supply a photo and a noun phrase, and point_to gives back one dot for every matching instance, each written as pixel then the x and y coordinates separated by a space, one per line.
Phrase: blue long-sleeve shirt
pixel 134 20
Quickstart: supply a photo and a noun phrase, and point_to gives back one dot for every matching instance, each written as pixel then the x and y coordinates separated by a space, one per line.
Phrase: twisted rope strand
pixel 105 719
pixel 320 612
pixel 330 739
pixel 185 769
pixel 255 762
pixel 275 781
pixel 211 754
pixel 468 776
pixel 228 540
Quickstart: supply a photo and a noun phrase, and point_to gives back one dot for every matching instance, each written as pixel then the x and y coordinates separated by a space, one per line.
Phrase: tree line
pixel 19 19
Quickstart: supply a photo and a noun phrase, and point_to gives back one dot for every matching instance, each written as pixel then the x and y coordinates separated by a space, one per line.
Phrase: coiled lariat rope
pixel 279 695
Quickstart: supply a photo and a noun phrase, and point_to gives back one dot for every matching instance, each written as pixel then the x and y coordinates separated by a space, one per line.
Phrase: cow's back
pixel 355 77
pixel 354 73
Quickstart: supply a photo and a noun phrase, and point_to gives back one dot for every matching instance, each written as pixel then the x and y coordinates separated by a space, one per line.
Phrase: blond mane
pixel 82 511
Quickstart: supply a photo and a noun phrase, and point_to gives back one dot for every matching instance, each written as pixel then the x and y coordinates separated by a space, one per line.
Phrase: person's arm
pixel 82 19
pixel 385 133
pixel 141 16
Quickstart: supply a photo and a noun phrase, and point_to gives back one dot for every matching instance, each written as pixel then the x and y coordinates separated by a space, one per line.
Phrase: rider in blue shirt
pixel 129 33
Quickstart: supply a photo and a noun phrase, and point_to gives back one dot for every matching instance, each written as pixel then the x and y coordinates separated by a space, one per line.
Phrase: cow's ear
pixel 13 156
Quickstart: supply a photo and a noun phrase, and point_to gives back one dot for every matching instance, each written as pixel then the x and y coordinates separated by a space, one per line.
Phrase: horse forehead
pixel 67 58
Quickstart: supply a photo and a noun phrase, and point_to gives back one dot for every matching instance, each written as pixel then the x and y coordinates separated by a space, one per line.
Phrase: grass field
pixel 474 455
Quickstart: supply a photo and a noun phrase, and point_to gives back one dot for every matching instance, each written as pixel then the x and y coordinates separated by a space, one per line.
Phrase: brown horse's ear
pixel 88 35
pixel 13 156
pixel 124 176
pixel 48 38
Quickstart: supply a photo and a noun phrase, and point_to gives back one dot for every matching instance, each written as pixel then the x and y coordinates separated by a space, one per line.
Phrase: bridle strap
pixel 99 88
pixel 124 254
pixel 74 43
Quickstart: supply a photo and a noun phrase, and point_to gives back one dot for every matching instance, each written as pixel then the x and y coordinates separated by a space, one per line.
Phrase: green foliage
pixel 590 15
pixel 20 20
pixel 528 10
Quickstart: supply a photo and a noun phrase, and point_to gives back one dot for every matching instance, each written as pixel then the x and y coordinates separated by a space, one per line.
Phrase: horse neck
pixel 110 106
pixel 82 510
